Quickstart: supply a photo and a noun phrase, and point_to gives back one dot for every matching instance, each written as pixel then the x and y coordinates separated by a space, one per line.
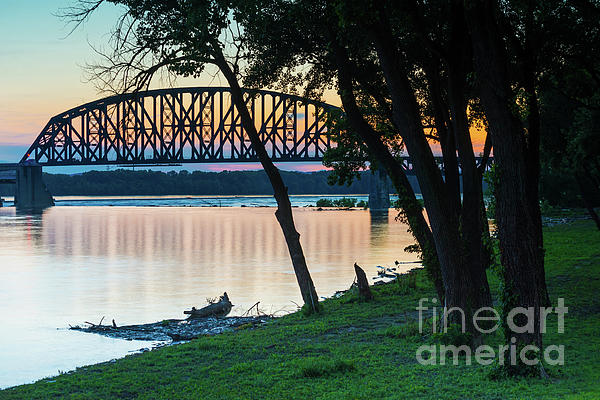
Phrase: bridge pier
pixel 31 192
pixel 379 193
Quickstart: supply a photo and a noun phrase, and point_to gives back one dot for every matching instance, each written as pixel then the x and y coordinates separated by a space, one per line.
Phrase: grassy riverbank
pixel 358 350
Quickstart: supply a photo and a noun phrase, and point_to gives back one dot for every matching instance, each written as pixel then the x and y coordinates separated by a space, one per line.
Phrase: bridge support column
pixel 31 192
pixel 379 194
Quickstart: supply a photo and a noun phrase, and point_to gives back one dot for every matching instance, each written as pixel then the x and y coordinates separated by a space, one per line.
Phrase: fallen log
pixel 219 309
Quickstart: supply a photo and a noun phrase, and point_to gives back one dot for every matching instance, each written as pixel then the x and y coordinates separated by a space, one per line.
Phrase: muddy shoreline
pixel 174 330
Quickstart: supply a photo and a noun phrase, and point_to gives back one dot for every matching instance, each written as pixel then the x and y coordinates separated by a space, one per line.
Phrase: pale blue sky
pixel 41 71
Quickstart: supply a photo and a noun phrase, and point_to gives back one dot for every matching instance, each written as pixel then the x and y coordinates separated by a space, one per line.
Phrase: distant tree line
pixel 148 182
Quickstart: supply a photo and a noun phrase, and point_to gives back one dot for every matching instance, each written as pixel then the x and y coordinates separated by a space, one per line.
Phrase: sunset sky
pixel 41 72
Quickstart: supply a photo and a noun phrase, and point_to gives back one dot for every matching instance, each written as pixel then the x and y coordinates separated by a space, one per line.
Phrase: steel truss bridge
pixel 186 125
pixel 183 125
pixel 172 127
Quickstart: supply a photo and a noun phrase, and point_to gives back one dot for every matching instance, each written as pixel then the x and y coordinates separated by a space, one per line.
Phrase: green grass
pixel 357 350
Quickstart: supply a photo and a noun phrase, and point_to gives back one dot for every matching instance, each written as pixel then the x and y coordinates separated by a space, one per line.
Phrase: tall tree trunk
pixel 470 221
pixel 470 215
pixel 444 223
pixel 520 246
pixel 284 208
pixel 459 62
pixel 408 202
pixel 531 153
pixel 445 133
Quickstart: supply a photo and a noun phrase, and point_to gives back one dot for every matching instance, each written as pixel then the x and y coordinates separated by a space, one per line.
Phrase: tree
pixel 370 48
pixel 183 37
pixel 570 178
pixel 300 26
pixel 430 60
pixel 516 149
pixel 376 143
pixel 457 238
pixel 570 107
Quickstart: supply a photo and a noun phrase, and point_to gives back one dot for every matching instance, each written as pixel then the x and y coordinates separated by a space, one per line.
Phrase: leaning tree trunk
pixel 459 60
pixel 444 223
pixel 518 225
pixel 470 214
pixel 408 202
pixel 451 131
pixel 445 133
pixel 284 208
pixel 531 151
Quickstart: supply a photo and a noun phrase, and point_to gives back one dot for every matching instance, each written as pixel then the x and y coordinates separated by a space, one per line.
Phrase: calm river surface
pixel 147 259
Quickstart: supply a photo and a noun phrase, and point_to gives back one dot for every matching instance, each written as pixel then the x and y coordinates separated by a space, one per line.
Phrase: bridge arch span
pixel 183 125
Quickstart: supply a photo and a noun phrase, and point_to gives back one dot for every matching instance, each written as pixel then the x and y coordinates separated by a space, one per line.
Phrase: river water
pixel 140 260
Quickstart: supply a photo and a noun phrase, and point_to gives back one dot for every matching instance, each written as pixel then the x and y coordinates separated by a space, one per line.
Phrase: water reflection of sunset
pixel 145 264
pixel 187 254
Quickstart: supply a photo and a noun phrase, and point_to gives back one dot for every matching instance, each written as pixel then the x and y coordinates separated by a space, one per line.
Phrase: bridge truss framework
pixel 186 125
pixel 183 125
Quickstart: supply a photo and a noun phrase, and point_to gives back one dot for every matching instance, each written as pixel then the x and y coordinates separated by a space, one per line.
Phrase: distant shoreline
pixel 205 201
pixel 197 183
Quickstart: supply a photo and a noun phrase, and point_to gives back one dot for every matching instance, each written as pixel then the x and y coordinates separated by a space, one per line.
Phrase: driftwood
pixel 173 330
pixel 219 309
pixel 209 320
pixel 364 291
pixel 250 309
